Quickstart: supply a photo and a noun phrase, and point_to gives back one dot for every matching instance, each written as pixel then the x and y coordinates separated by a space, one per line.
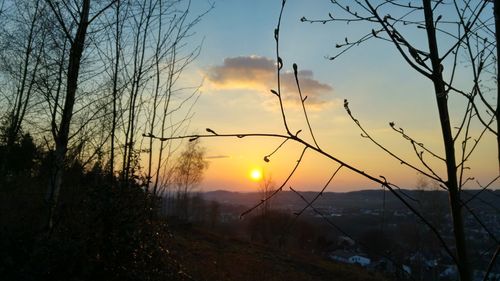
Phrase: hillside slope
pixel 209 257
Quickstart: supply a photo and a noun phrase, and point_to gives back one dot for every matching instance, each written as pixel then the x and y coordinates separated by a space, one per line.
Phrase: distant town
pixel 372 229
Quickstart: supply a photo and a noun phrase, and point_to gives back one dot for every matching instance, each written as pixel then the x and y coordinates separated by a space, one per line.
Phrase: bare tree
pixel 116 67
pixel 435 63
pixel 169 51
pixel 23 34
pixel 74 20
pixel 266 187
pixel 154 54
pixel 187 174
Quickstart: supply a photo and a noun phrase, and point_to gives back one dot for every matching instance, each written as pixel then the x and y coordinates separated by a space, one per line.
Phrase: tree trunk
pixel 451 167
pixel 75 55
pixel 496 12
pixel 115 94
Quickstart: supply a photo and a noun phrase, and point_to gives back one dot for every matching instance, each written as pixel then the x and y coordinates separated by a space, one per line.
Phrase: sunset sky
pixel 237 67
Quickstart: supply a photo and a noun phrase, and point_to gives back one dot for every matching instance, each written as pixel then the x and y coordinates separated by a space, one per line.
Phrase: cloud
pixel 259 74
pixel 218 157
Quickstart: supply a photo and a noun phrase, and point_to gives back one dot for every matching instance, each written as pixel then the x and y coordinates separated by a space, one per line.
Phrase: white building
pixel 358 259
pixel 350 257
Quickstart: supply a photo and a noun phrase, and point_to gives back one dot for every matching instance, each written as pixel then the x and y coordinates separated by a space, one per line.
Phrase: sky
pixel 237 67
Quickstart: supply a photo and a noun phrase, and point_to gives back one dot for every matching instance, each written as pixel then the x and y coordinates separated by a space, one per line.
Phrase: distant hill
pixel 355 199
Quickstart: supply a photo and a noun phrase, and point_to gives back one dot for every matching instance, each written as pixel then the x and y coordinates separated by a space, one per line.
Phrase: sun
pixel 256 174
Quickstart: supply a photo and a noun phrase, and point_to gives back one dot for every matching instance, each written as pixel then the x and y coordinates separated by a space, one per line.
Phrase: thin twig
pixel 365 134
pixel 302 101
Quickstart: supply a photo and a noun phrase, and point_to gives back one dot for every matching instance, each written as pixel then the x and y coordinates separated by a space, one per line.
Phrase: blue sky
pixel 234 63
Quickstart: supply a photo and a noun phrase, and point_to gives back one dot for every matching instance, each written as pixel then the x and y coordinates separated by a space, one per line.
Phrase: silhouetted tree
pixel 22 44
pixel 74 28
pixel 266 187
pixel 468 25
pixel 187 174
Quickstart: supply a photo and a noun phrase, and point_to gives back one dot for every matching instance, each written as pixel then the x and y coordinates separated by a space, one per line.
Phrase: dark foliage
pixel 101 232
pixel 19 159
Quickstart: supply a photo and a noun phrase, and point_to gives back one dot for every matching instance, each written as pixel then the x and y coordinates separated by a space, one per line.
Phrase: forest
pixel 80 189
